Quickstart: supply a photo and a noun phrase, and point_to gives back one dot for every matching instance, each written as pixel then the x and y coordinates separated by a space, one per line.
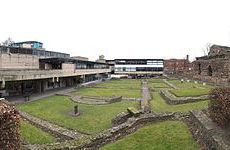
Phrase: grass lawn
pixel 188 85
pixel 34 135
pixel 168 135
pixel 92 119
pixel 158 85
pixel 121 84
pixel 155 80
pixel 158 105
pixel 190 92
pixel 123 81
pixel 108 92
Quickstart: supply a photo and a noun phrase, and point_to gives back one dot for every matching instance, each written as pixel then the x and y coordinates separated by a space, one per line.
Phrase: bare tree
pixel 206 50
pixel 8 42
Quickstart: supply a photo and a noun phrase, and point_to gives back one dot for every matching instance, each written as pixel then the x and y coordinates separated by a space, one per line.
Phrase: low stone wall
pixel 9 127
pixel 96 100
pixel 173 100
pixel 169 84
pixel 120 118
pixel 90 84
pixel 56 130
pixel 114 99
pixel 90 102
pixel 115 133
pixel 207 132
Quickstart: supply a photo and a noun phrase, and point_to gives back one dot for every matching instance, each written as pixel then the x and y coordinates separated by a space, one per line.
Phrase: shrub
pixel 9 127
pixel 219 108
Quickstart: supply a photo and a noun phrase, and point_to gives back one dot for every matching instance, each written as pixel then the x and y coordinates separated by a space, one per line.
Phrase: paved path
pixel 60 91
pixel 146 97
pixel 33 97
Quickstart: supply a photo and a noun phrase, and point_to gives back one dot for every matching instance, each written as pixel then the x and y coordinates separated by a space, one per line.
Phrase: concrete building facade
pixel 22 72
pixel 137 67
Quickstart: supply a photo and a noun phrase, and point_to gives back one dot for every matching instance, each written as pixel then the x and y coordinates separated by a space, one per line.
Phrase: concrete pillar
pixel 3 84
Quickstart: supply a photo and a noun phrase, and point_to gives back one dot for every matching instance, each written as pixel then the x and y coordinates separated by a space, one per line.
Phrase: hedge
pixel 9 126
pixel 219 108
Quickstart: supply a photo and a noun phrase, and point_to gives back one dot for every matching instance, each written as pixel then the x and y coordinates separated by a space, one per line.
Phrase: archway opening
pixel 209 71
pixel 199 69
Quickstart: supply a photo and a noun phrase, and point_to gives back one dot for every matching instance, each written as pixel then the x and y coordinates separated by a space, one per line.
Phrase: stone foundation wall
pixel 173 100
pixel 115 133
pixel 114 99
pixel 57 131
pixel 120 118
pixel 207 132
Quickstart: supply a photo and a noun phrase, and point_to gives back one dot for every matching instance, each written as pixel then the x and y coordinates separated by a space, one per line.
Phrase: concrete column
pixel 3 84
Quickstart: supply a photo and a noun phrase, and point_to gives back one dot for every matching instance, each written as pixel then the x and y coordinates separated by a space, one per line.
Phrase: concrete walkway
pixel 58 91
pixel 33 97
pixel 146 97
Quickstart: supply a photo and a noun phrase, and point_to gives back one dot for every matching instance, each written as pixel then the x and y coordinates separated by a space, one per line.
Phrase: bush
pixel 219 108
pixel 9 127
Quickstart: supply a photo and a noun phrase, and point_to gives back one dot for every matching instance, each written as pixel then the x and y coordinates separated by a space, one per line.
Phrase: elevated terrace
pixel 12 75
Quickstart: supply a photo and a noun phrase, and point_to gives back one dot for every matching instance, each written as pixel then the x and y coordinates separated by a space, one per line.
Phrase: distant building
pixel 101 59
pixel 24 71
pixel 28 44
pixel 33 52
pixel 80 58
pixel 177 66
pixel 137 67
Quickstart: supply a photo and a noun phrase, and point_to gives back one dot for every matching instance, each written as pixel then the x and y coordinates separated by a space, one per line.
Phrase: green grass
pixel 34 135
pixel 168 135
pixel 188 85
pixel 158 85
pixel 158 105
pixel 156 80
pixel 124 81
pixel 92 119
pixel 191 92
pixel 122 84
pixel 108 92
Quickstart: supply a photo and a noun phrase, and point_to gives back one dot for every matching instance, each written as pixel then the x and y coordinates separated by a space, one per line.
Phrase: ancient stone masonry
pixel 173 100
pixel 52 128
pixel 96 100
pixel 112 134
pixel 207 132
pixel 215 67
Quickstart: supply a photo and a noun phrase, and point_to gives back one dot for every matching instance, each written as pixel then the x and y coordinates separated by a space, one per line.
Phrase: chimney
pixel 187 58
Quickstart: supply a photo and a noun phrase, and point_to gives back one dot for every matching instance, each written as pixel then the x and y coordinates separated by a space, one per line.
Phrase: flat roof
pixel 138 59
pixel 30 49
pixel 62 60
pixel 27 42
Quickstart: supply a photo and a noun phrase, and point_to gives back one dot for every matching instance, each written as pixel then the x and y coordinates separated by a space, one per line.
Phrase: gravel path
pixel 146 97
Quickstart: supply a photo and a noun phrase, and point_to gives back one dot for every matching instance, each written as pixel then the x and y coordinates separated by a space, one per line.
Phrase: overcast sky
pixel 118 28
